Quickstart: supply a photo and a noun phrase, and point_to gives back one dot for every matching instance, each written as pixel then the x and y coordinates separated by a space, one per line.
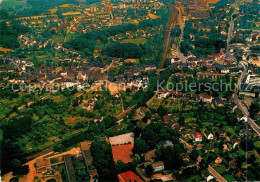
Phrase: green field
pixel 229 178
pixel 257 144
pixel 136 40
pixel 11 3
pixel 221 169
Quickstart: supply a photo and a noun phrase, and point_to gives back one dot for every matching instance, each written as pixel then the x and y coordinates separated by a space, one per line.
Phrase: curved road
pixel 239 104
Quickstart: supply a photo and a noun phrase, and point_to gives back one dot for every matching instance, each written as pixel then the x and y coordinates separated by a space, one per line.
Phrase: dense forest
pixel 205 43
pixel 9 34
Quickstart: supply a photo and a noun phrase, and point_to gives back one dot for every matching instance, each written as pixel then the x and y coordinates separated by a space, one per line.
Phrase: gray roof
pixel 219 66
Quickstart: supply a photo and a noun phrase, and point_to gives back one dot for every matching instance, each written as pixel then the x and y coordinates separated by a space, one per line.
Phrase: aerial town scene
pixel 129 90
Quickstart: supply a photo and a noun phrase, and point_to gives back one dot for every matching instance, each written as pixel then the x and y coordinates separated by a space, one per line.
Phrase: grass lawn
pixel 221 169
pixel 11 3
pixel 207 124
pixel 229 178
pixel 79 164
pixel 81 172
pixel 230 130
pixel 194 178
pixel 135 40
pixel 257 144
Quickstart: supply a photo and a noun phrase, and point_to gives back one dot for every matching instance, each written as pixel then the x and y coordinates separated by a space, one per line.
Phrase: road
pixel 216 174
pixel 244 110
pixel 230 30
pixel 239 103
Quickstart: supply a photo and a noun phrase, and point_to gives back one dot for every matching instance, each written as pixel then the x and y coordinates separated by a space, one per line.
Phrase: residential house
pixel 166 143
pixel 220 68
pixel 197 137
pixel 158 166
pixel 163 93
pixel 183 76
pixel 143 110
pixel 212 76
pixel 184 134
pixel 206 98
pixel 195 97
pixel 218 160
pixel 43 165
pixel 150 67
pixel 218 102
pixel 208 135
pixel 222 133
pixel 218 56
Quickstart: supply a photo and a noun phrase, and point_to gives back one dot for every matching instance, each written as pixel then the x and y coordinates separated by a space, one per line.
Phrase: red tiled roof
pixel 163 90
pixel 129 176
pixel 206 96
pixel 179 93
pixel 122 152
pixel 166 118
pixel 197 135
pixel 216 55
pixel 172 92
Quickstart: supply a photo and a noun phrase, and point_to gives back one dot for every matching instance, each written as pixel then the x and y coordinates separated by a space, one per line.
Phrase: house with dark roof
pixel 220 68
pixel 218 102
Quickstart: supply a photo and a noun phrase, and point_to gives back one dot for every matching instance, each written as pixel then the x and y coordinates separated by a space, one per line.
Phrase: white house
pixel 162 93
pixel 208 135
pixel 209 178
pixel 158 166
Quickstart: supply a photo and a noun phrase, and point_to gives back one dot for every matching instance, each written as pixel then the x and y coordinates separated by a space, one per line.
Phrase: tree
pixel 162 111
pixel 181 120
pixel 171 157
pixel 140 146
pixel 109 121
pixel 149 171
pixel 18 168
pixel 194 155
pixel 254 109
pixel 103 160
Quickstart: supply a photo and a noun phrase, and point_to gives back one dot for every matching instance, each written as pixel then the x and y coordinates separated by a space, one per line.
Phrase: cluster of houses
pixel 75 76
pixel 218 63
pixel 81 18
pixel 184 97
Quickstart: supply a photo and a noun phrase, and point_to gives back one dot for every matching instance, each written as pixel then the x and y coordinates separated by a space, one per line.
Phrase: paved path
pixel 122 114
